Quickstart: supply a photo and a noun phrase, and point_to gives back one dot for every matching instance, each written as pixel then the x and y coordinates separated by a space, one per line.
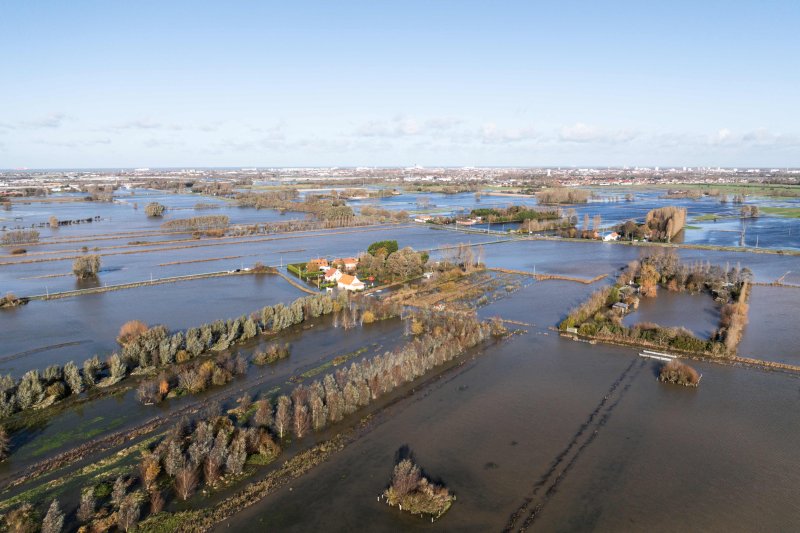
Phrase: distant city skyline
pixel 302 84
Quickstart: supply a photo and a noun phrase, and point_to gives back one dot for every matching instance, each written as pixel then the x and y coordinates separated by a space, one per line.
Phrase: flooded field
pixel 696 312
pixel 498 430
pixel 47 332
pixel 532 431
pixel 771 333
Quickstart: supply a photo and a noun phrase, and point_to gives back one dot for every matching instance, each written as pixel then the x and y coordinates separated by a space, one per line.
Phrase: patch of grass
pixel 791 212
pixel 168 522
pixel 260 459
pixel 692 227
pixel 705 218
pixel 82 432
pixel 336 361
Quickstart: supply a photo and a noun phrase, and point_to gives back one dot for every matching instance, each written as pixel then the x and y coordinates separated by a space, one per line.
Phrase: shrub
pixel 679 373
pixel 86 267
pixel 154 209
pixel 415 493
pixel 130 330
pixel 273 352
pixel 368 317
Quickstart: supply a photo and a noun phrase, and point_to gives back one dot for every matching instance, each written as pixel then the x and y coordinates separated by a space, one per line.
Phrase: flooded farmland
pixel 500 429
pixel 533 431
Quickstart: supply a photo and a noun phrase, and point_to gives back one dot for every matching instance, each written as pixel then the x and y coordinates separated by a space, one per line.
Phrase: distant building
pixel 613 236
pixel 621 307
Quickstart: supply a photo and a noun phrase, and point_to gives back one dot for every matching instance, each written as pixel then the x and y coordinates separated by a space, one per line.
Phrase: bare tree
pixel 301 420
pixel 185 482
pixel 406 477
pixel 54 519
pixel 128 514
pixel 283 415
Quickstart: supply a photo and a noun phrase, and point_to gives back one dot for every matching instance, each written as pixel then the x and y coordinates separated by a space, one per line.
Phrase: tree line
pixel 197 223
pixel 216 448
pixel 20 236
pixel 155 348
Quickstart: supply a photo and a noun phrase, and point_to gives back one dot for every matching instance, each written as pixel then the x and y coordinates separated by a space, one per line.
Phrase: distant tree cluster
pixel 750 211
pixel 154 209
pixel 385 262
pixel 20 236
pixel 324 208
pixel 563 195
pixel 384 215
pixel 514 213
pixel 197 223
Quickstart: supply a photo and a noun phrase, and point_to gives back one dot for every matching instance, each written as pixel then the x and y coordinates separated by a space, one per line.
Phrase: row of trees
pixel 20 236
pixel 216 449
pixel 197 223
pixel 385 215
pixel 155 348
pixel 514 213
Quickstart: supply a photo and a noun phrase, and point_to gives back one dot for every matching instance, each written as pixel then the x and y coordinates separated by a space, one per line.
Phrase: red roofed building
pixel 350 283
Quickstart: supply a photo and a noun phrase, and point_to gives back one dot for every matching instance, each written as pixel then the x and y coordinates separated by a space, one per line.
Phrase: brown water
pixel 499 431
pixel 772 331
pixel 696 312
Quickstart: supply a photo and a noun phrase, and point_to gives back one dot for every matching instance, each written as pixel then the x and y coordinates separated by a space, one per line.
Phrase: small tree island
pixel 412 492
pixel 679 373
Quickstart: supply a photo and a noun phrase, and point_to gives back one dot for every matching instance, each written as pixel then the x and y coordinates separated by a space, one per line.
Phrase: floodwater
pixel 42 333
pixel 632 453
pixel 771 333
pixel 309 349
pixel 696 312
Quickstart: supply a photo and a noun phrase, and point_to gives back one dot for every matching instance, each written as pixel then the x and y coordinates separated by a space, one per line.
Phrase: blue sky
pixel 235 83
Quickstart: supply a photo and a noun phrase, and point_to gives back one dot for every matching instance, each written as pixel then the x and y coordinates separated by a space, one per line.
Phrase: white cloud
pixel 492 134
pixel 584 133
pixel 399 126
